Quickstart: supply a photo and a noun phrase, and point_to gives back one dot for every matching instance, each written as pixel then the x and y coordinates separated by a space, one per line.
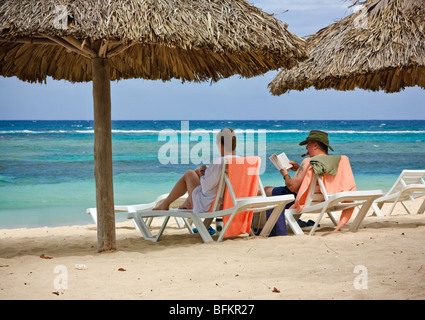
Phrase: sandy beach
pixel 385 259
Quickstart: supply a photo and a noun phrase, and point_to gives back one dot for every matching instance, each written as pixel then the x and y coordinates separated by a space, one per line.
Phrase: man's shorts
pixel 279 191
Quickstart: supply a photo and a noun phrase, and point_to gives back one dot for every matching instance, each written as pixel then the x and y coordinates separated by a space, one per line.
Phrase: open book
pixel 280 161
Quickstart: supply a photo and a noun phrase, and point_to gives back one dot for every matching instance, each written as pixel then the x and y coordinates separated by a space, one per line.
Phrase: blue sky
pixel 233 98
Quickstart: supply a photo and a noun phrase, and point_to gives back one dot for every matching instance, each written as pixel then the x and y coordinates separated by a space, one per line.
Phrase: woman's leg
pixel 188 182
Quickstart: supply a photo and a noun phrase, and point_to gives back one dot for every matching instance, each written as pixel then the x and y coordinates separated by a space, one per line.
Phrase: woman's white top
pixel 204 194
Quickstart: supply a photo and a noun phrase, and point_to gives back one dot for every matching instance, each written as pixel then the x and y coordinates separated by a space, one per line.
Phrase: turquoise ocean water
pixel 46 167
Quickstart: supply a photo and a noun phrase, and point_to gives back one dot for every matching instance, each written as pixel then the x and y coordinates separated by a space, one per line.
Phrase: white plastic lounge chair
pixel 244 204
pixel 145 206
pixel 410 185
pixel 320 201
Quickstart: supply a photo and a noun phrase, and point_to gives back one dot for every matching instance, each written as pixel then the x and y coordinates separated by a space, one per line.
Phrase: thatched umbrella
pixel 101 40
pixel 379 47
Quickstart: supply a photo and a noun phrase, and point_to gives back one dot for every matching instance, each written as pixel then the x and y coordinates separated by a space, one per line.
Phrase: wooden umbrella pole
pixel 103 155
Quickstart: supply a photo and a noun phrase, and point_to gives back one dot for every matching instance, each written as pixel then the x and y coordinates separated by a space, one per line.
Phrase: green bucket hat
pixel 319 136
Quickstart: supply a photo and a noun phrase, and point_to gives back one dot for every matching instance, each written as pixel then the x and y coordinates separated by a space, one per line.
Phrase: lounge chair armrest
pixel 355 195
pixel 265 201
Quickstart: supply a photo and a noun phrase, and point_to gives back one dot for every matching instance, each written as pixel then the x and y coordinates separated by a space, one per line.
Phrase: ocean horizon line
pixel 197 126
pixel 207 131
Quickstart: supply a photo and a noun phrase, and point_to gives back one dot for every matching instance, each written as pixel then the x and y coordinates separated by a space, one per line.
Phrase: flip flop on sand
pixel 304 224
pixel 210 230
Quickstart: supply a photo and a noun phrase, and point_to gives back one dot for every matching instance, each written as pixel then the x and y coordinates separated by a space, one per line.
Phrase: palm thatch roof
pixel 162 39
pixel 379 47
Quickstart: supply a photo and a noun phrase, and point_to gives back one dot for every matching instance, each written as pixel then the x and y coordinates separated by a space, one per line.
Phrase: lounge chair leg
pixel 405 208
pixel 292 222
pixel 161 230
pixel 203 232
pixel 331 216
pixel 393 206
pixel 135 225
pixel 187 224
pixel 271 221
pixel 226 225
pixel 141 225
pixel 93 213
pixel 179 224
pixel 316 224
pixel 377 209
pixel 422 208
pixel 360 216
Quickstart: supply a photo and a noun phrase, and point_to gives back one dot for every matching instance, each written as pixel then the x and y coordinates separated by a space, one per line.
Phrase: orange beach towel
pixel 342 181
pixel 243 175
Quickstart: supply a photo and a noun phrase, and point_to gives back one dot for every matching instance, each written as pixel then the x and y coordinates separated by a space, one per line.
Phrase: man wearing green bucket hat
pixel 318 136
pixel 317 143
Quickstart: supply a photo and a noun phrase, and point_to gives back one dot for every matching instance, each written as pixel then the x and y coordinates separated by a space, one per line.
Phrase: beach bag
pixel 258 222
pixel 279 228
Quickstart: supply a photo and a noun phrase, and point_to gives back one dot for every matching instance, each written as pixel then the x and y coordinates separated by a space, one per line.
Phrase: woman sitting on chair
pixel 201 184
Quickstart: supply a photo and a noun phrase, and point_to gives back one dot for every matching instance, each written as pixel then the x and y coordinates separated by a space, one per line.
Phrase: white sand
pixel 390 252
